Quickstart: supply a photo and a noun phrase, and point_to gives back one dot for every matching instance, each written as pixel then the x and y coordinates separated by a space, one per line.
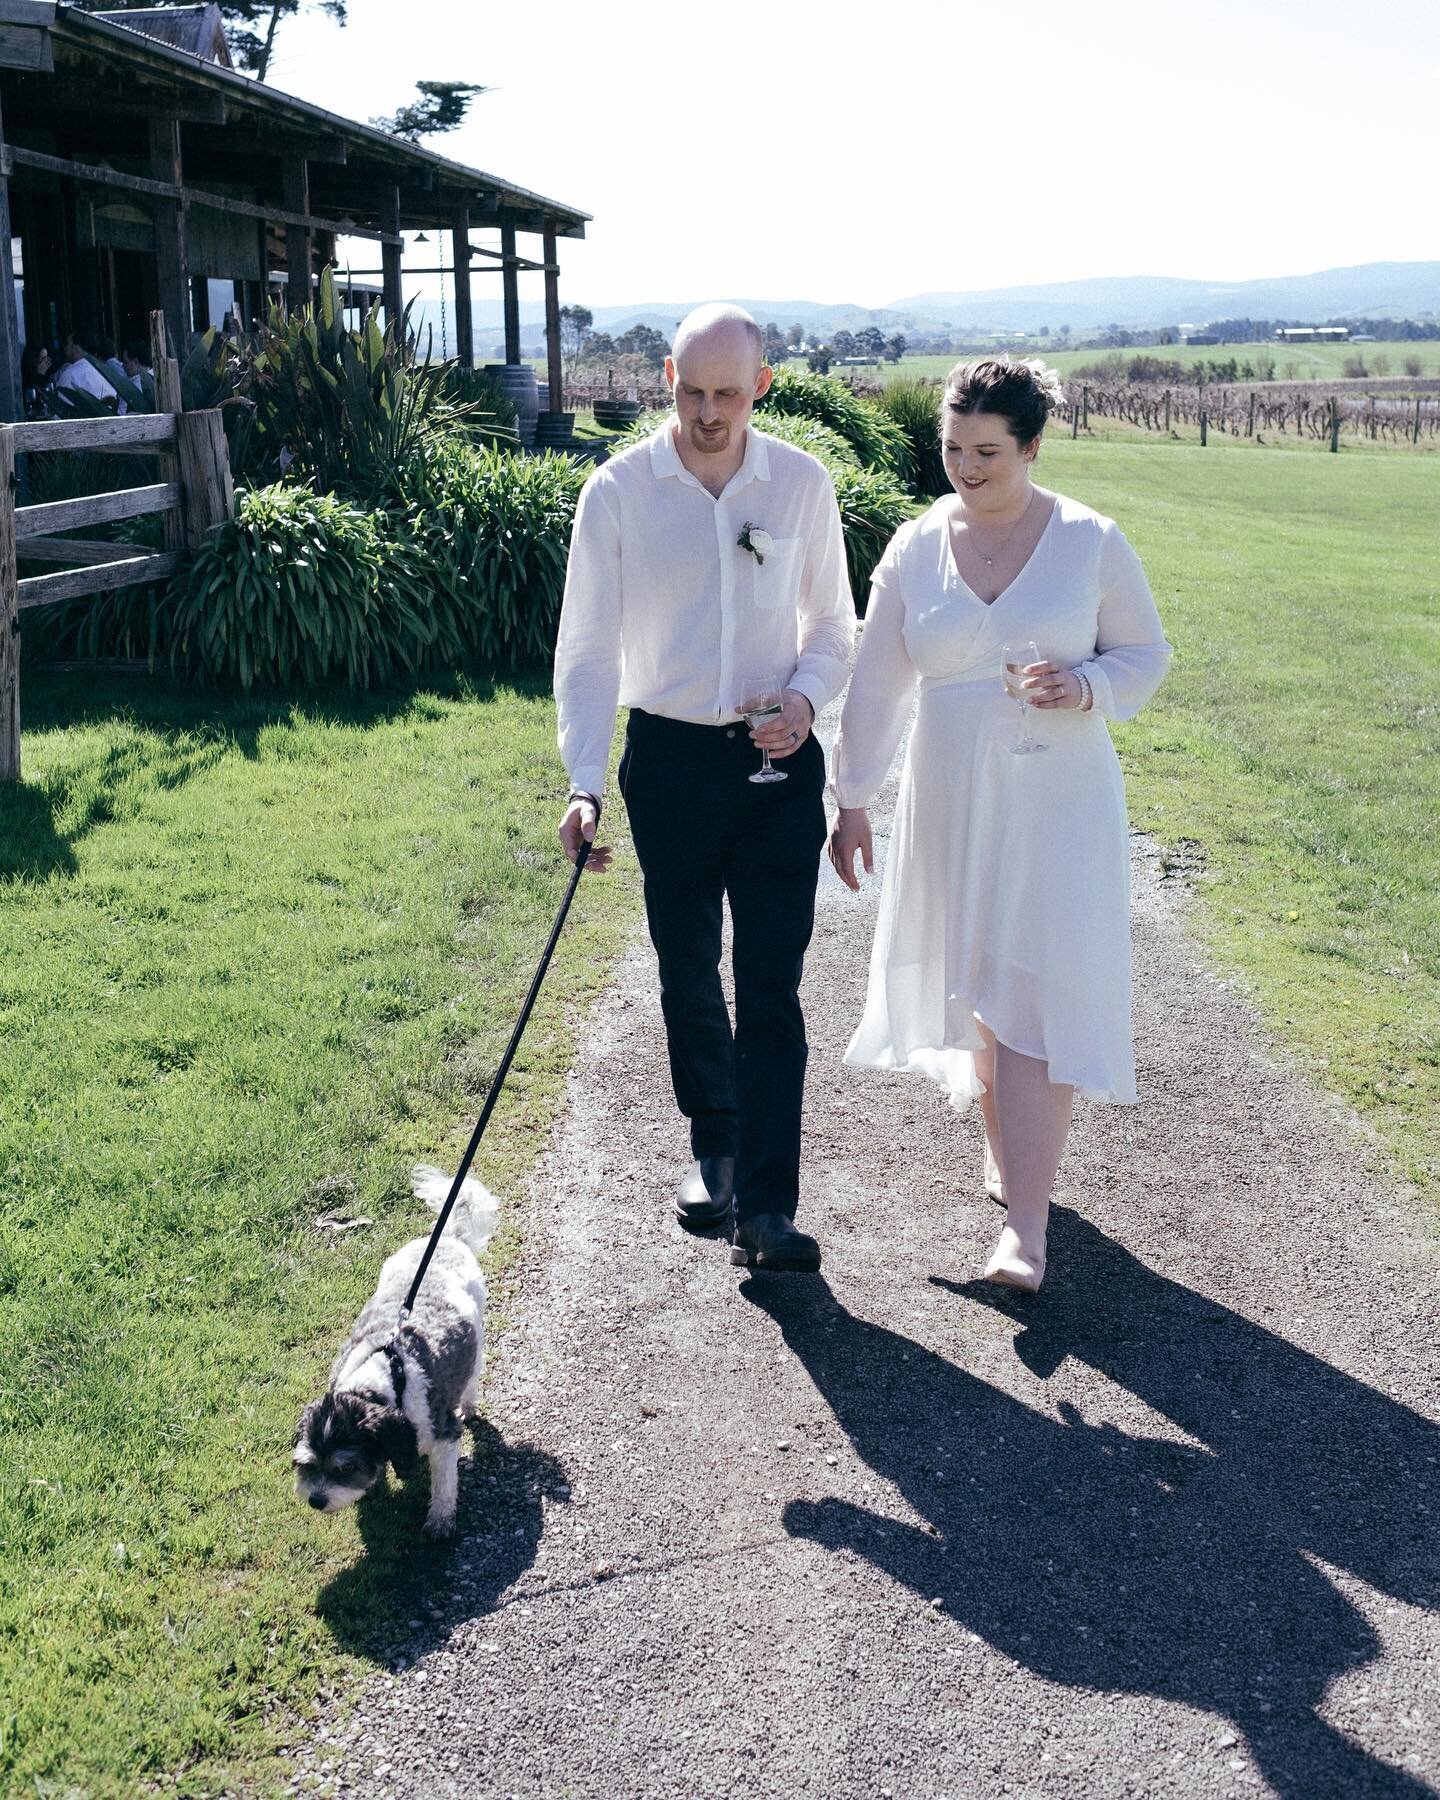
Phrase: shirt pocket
pixel 777 579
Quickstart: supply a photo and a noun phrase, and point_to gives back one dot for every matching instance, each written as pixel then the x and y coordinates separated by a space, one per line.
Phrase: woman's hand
pixel 783 735
pixel 1051 688
pixel 849 833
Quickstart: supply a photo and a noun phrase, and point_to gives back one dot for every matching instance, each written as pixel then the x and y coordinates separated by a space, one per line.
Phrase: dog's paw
pixel 439 1525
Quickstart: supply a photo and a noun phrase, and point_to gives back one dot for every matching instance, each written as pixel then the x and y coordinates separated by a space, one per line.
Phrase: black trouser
pixel 703 832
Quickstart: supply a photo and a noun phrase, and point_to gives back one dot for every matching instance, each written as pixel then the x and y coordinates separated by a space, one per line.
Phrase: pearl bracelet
pixel 1087 693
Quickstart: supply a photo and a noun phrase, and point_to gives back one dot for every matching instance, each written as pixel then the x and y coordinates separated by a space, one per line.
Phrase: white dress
pixel 1007 886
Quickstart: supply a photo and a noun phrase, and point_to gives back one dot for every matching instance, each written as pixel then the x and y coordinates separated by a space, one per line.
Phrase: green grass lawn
pixel 259 957
pixel 1314 362
pixel 1297 742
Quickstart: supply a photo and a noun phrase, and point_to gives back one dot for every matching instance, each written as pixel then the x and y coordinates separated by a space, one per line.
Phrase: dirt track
pixel 1169 1528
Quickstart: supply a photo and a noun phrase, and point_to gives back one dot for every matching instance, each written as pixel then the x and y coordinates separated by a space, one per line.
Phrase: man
pixel 77 371
pixel 706 561
pixel 136 363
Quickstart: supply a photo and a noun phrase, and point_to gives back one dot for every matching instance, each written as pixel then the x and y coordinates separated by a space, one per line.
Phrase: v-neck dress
pixel 1007 885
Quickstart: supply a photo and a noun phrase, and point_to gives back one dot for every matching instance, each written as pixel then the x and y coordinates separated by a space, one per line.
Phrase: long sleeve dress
pixel 1007 886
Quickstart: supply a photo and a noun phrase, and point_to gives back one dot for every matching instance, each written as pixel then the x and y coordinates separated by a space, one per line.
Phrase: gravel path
pixel 1167 1529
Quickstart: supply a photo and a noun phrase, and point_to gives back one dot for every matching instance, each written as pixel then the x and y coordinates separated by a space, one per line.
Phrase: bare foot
pixel 1014 1263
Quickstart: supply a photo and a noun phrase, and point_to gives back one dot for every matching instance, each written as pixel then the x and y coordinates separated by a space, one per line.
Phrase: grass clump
pixel 263 955
pixel 915 408
pixel 874 437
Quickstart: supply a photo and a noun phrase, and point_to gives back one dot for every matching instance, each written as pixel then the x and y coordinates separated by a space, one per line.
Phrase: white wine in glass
pixel 1014 660
pixel 763 699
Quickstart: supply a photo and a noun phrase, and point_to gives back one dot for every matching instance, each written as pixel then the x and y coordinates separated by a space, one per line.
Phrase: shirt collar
pixel 665 458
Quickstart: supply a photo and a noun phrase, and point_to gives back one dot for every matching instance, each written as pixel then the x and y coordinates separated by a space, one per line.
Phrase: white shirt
pixel 666 611
pixel 87 377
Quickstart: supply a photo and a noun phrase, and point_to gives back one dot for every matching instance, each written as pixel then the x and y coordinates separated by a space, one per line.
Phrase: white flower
pixel 761 541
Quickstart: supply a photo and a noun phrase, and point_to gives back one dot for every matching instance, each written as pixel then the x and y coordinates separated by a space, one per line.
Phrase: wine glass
pixel 762 697
pixel 1014 659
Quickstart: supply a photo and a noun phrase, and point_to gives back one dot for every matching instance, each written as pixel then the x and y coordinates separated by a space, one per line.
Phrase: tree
pixel 842 344
pixel 896 347
pixel 774 344
pixel 438 106
pixel 795 336
pixel 575 331
pixel 644 341
pixel 872 342
pixel 819 359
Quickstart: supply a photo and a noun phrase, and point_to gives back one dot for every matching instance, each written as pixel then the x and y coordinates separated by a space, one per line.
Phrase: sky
pixel 847 153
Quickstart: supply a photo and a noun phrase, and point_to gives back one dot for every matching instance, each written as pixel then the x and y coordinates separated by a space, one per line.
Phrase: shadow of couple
pixel 1139 1565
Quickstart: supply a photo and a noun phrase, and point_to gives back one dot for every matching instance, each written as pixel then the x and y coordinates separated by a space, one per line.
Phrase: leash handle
pixel 581 858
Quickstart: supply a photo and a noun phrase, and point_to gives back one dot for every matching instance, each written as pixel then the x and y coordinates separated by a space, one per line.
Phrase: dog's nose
pixel 318 1502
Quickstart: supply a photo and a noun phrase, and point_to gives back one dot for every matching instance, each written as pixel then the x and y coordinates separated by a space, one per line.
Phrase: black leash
pixel 495 1085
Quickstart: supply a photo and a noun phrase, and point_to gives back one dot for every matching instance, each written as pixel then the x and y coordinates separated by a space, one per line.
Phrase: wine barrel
pixel 517 382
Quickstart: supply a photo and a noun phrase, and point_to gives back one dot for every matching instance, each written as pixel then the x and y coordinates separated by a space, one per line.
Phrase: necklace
pixel 989 561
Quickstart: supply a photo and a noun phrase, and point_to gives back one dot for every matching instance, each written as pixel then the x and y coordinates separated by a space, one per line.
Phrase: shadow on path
pixel 1133 1564
pixel 405 1595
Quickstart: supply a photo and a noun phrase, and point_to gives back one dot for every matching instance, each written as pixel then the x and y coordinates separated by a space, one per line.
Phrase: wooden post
pixel 1250 428
pixel 172 259
pixel 10 396
pixel 1415 429
pixel 1334 425
pixel 299 239
pixel 464 308
pixel 9 618
pixel 391 289
pixel 510 281
pixel 167 400
pixel 1085 405
pixel 1167 409
pixel 552 323
pixel 1204 428
pixel 207 495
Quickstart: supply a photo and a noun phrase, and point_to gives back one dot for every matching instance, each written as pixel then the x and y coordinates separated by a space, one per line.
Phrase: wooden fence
pixel 194 493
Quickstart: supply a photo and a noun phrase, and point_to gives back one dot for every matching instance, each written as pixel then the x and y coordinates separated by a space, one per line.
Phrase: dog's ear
pixel 396 1436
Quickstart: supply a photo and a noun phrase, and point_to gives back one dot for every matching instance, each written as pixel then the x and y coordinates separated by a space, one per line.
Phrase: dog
pixel 395 1396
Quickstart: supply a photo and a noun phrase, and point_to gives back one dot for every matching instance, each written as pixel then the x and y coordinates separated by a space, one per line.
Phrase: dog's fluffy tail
pixel 477 1211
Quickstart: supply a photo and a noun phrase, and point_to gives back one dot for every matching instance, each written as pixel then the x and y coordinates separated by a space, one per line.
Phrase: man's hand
pixel 580 822
pixel 851 832
pixel 783 735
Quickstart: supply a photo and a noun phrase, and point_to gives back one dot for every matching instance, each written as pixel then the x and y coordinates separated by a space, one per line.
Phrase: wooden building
pixel 137 167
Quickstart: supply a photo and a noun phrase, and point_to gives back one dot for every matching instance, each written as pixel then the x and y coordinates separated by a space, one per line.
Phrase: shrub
pixel 915 408
pixel 494 532
pixel 878 442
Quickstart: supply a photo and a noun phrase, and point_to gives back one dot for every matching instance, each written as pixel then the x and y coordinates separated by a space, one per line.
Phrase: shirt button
pixel 730 734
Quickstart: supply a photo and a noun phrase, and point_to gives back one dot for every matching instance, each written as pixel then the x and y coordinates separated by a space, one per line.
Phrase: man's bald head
pixel 727 330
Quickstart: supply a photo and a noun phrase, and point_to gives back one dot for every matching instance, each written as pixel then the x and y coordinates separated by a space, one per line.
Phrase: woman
pixel 1001 965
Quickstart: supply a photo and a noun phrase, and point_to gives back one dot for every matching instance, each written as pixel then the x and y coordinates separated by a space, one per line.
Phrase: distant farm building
pixel 1312 334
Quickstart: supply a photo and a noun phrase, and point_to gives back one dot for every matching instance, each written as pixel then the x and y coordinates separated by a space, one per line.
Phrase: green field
pixel 1318 362
pixel 259 958
pixel 1296 746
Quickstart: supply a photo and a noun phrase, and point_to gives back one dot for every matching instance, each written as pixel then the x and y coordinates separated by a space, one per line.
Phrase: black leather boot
pixel 770 1241
pixel 706 1193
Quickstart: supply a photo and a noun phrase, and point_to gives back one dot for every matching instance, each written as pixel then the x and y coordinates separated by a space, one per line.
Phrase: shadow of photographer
pixel 1142 1565
pixel 402 1599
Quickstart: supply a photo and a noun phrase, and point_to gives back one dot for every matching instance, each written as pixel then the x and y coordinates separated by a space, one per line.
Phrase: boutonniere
pixel 757 541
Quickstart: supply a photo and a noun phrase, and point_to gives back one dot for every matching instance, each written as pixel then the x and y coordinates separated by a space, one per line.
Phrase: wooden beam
pixel 94 509
pixel 172 262
pixel 74 550
pixel 134 432
pixel 464 310
pixel 22 47
pixel 102 176
pixel 552 325
pixel 10 397
pixel 394 298
pixel 70 584
pixel 299 240
pixel 9 618
pixel 511 297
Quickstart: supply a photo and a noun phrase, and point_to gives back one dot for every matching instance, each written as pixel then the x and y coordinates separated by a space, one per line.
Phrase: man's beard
pixel 713 444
